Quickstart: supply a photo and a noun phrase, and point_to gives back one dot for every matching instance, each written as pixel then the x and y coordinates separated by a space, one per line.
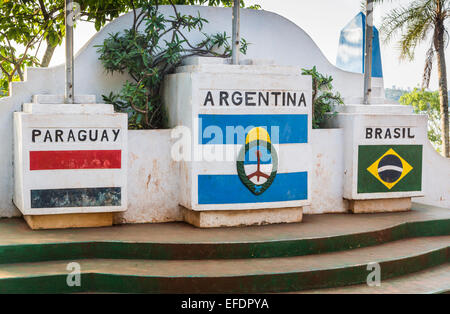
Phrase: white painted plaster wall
pixel 153 178
pixel 436 178
pixel 327 175
pixel 274 38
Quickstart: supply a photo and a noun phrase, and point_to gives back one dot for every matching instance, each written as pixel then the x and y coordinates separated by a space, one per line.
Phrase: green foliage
pixel 19 26
pixel 323 97
pixel 26 24
pixel 148 51
pixel 426 102
pixel 394 94
pixel 417 22
pixel 414 21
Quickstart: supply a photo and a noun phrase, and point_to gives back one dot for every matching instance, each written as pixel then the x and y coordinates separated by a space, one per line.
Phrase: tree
pixel 416 22
pixel 426 102
pixel 26 24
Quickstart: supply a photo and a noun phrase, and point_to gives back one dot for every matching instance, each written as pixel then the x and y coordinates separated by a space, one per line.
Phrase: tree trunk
pixel 443 93
pixel 20 73
pixel 47 55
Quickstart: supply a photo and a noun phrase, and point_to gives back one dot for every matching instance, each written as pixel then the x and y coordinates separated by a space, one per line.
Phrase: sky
pixel 323 21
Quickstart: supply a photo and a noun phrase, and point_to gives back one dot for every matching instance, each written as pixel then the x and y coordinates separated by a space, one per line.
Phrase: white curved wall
pixel 271 36
pixel 436 172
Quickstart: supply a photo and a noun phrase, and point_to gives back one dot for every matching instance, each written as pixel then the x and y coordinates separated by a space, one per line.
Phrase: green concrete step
pixel 230 275
pixel 435 280
pixel 179 241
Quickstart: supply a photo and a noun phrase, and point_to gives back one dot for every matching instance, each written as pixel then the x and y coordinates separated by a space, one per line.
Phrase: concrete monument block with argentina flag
pixel 242 140
pixel 70 163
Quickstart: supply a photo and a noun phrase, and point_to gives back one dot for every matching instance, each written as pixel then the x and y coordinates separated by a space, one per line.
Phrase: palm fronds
pixel 413 21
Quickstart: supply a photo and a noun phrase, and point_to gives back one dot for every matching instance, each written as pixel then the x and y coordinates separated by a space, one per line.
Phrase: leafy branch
pixel 152 48
pixel 323 97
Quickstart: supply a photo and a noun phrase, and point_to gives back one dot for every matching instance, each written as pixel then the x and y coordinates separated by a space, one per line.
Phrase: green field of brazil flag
pixel 389 168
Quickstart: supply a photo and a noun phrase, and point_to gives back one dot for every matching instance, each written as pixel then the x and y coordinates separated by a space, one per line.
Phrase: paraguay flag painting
pixel 258 175
pixel 64 160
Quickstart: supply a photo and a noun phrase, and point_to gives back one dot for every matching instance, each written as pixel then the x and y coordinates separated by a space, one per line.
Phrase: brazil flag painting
pixel 389 168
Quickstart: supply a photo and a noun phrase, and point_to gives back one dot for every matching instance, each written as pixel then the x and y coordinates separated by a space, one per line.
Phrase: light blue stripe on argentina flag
pixel 232 129
pixel 228 189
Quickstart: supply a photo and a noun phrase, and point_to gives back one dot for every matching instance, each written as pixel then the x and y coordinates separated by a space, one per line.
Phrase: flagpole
pixel 236 36
pixel 69 90
pixel 368 52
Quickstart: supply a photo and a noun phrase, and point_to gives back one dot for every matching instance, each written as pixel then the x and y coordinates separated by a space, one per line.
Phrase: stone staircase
pixel 323 254
pixel 430 281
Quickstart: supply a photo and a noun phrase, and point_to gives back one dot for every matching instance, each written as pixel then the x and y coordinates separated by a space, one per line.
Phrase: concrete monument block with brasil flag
pixel 383 156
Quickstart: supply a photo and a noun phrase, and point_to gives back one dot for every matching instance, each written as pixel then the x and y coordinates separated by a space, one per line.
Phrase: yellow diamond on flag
pixel 390 168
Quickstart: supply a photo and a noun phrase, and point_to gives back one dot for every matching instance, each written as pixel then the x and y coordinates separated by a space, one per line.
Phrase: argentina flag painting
pixel 263 171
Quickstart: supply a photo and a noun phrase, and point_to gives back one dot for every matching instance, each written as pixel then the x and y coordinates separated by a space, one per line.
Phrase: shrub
pixel 323 97
pixel 148 55
pixel 426 102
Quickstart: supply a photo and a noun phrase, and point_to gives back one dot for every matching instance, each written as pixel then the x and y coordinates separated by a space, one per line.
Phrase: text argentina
pixel 255 99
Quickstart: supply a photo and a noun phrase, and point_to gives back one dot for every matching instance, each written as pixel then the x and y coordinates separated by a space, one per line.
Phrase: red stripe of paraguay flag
pixel 75 159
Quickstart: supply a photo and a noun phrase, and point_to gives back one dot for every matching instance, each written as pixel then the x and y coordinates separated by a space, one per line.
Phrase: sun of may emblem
pixel 257 161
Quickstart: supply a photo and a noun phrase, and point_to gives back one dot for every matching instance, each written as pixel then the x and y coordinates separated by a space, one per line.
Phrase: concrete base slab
pixel 380 205
pixel 240 218
pixel 63 221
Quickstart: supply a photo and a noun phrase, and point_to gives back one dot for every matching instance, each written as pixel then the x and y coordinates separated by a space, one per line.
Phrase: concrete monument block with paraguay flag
pixel 249 128
pixel 70 164
pixel 383 156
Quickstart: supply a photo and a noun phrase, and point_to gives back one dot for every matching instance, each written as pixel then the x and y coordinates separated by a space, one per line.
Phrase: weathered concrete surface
pixel 15 231
pixel 179 241
pixel 64 221
pixel 327 175
pixel 380 205
pixel 436 178
pixel 434 280
pixel 230 276
pixel 235 218
pixel 153 179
